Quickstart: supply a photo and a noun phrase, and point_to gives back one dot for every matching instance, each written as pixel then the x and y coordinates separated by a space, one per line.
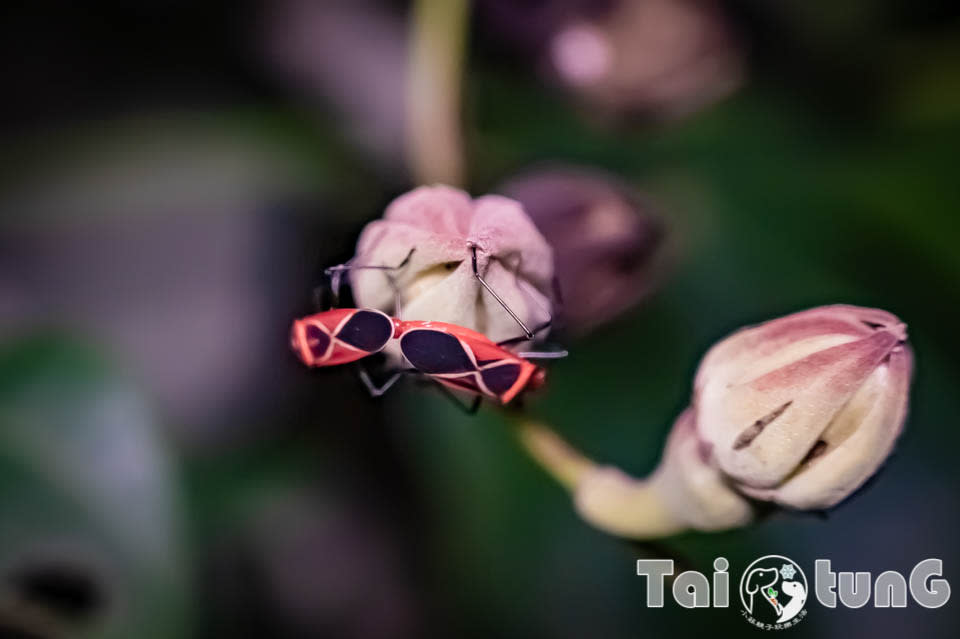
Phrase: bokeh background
pixel 175 176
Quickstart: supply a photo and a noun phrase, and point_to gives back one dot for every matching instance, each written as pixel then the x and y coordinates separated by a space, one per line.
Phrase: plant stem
pixel 438 37
pixel 604 496
pixel 564 463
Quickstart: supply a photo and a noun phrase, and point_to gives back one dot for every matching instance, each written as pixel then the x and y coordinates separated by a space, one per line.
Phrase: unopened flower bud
pixel 799 411
pixel 607 245
pixel 685 491
pixel 442 225
pixel 802 410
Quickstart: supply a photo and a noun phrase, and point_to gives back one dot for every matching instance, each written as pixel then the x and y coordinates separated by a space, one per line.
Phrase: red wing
pixel 464 359
pixel 331 319
pixel 340 336
pixel 465 383
pixel 507 380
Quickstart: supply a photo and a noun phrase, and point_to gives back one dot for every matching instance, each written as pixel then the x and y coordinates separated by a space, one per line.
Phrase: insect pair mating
pixel 454 356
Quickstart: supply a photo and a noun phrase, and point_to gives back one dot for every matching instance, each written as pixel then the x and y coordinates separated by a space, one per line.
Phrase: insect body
pixel 466 360
pixel 340 335
pixel 454 356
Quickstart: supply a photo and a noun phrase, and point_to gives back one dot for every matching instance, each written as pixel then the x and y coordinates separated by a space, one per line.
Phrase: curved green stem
pixel 604 496
pixel 561 460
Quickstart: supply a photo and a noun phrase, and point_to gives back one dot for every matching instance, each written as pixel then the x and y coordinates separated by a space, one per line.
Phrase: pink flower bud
pixel 442 224
pixel 799 411
pixel 802 410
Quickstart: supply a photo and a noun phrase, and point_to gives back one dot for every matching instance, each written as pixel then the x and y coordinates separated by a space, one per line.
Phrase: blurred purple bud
pixel 662 58
pixel 529 26
pixel 582 54
pixel 606 244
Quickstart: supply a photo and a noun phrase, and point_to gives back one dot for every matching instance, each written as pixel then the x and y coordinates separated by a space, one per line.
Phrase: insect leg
pixel 469 409
pixel 374 390
pixel 524 338
pixel 335 273
pixel 516 318
pixel 347 266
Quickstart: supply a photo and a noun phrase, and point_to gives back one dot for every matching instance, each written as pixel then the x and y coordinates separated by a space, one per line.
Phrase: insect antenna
pixel 335 273
pixel 543 354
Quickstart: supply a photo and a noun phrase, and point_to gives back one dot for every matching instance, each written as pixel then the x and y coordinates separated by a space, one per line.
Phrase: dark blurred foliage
pixel 169 196
pixel 68 62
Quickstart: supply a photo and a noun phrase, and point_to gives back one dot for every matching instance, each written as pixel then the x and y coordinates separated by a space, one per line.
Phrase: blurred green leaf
pixel 89 511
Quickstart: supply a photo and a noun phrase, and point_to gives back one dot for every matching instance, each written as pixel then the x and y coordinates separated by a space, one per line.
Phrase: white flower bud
pixel 442 224
pixel 799 411
pixel 802 410
pixel 685 491
pixel 693 489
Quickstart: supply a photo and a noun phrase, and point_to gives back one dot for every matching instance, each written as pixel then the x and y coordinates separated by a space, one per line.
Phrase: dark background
pixel 169 197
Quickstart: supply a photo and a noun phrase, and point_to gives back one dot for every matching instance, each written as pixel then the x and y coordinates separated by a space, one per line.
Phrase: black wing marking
pixel 435 352
pixel 367 330
pixel 317 340
pixel 500 379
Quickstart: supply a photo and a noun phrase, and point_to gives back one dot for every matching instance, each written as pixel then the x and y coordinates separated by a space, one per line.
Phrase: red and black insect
pixel 340 335
pixel 343 335
pixel 465 360
pixel 454 356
